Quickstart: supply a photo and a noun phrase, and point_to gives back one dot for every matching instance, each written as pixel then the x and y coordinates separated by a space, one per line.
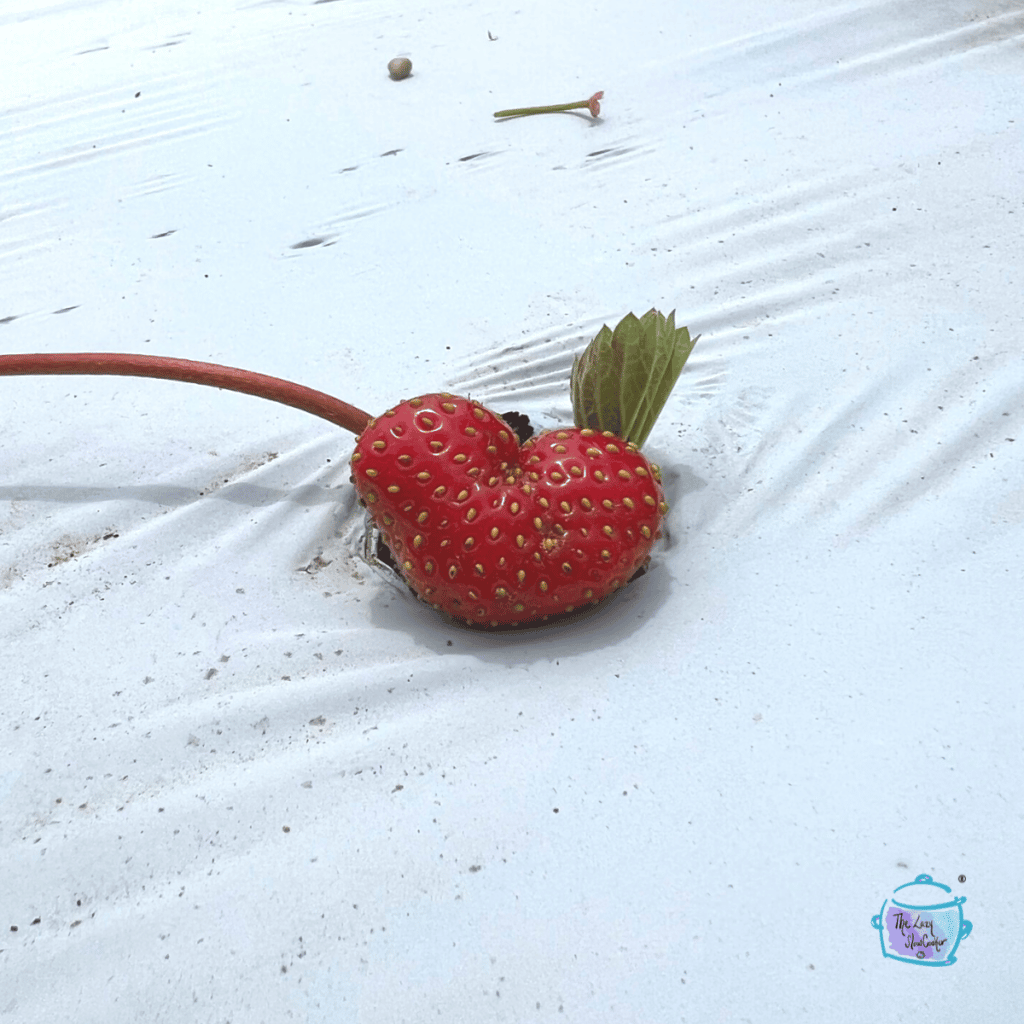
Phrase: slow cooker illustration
pixel 921 924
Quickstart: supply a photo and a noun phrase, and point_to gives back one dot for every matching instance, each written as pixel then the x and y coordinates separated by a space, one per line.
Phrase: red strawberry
pixel 498 534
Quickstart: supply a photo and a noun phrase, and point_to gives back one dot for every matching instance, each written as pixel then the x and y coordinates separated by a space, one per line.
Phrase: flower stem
pixel 554 109
pixel 593 104
pixel 189 372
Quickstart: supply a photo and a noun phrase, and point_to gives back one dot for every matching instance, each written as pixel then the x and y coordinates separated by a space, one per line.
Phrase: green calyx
pixel 623 379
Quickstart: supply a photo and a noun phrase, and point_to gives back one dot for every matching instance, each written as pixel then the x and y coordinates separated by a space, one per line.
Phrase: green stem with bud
pixel 593 104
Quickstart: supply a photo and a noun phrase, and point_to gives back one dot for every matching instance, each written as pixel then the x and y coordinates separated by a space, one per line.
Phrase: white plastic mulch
pixel 244 776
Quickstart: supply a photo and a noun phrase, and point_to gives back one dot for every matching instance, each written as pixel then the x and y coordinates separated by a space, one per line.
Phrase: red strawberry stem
pixel 189 372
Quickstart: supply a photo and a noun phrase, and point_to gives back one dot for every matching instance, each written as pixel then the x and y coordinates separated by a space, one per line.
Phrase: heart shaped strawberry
pixel 497 533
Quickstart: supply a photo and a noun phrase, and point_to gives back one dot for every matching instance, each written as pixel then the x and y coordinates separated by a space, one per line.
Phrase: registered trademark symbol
pixel 962 879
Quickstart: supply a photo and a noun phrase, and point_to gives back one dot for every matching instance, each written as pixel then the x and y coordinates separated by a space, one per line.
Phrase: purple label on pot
pixel 921 935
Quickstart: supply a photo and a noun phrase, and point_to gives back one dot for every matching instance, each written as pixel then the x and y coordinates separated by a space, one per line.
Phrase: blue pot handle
pixel 876 922
pixel 965 929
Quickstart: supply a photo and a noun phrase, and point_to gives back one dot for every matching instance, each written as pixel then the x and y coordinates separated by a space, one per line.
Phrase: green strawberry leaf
pixel 623 379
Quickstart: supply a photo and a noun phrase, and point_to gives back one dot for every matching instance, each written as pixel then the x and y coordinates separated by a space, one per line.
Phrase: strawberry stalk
pixel 187 371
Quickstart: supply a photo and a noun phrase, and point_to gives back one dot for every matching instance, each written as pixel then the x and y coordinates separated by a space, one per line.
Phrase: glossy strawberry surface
pixel 498 533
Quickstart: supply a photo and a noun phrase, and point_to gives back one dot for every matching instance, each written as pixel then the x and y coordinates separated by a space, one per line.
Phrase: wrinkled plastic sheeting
pixel 245 775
